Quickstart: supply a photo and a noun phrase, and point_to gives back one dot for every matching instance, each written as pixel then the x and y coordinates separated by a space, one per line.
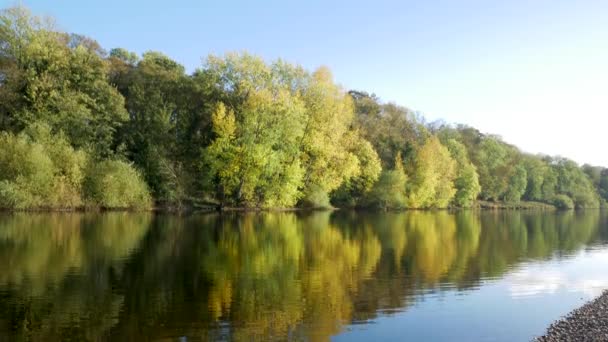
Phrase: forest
pixel 83 127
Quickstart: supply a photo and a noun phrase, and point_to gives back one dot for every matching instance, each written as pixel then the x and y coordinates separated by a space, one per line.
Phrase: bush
pixel 39 169
pixel 26 173
pixel 68 167
pixel 586 200
pixel 388 192
pixel 116 184
pixel 344 196
pixel 563 202
pixel 12 197
pixel 315 198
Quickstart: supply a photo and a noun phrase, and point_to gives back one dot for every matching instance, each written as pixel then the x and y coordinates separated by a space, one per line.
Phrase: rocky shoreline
pixel 587 323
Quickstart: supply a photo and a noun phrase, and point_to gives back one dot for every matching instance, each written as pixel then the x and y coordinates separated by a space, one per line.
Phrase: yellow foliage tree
pixel 433 176
pixel 327 158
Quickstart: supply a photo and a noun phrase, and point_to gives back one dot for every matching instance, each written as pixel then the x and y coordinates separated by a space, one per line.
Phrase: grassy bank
pixel 523 205
pixel 209 207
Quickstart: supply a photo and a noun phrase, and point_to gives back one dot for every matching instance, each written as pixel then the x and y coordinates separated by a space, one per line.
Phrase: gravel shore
pixel 588 323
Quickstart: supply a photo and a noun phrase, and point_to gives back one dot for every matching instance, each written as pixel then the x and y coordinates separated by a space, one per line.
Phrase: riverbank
pixel 522 205
pixel 588 323
pixel 479 205
pixel 206 207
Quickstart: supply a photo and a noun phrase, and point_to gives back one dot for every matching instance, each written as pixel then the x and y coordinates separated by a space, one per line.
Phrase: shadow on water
pixel 255 276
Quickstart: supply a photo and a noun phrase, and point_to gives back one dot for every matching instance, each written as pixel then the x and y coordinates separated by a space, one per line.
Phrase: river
pixel 340 276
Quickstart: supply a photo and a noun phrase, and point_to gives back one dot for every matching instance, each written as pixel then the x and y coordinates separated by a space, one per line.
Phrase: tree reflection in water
pixel 261 276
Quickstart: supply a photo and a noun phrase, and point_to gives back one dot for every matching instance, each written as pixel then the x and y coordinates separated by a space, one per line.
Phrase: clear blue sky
pixel 532 71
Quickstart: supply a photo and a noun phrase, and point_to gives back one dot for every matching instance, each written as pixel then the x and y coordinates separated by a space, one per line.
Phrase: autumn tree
pixel 328 144
pixel 259 127
pixel 433 176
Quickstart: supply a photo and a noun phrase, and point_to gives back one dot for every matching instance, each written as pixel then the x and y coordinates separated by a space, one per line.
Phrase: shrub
pixel 115 184
pixel 315 197
pixel 563 202
pixel 11 196
pixel 26 173
pixel 586 200
pixel 388 192
pixel 68 167
pixel 39 169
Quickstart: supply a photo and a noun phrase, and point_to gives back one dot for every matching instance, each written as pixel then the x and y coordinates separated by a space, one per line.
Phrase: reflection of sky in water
pixel 515 307
pixel 584 273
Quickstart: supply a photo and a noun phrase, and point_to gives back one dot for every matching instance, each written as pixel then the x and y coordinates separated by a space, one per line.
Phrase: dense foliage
pixel 84 127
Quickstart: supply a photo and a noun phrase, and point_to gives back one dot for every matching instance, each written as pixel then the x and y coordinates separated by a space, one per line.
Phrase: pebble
pixel 588 323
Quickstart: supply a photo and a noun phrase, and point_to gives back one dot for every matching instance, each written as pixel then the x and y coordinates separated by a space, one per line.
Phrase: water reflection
pixel 552 277
pixel 262 276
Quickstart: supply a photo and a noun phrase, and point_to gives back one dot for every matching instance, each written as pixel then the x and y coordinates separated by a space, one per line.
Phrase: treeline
pixel 81 127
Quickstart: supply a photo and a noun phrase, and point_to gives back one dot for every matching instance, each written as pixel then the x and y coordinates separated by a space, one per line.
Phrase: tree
pixel 353 191
pixel 389 190
pixel 549 186
pixel 327 142
pixel 54 78
pixel 536 171
pixel 599 178
pixel 154 90
pixel 390 128
pixel 603 185
pixel 258 128
pixel 573 182
pixel 125 56
pixel 517 185
pixel 466 181
pixel 491 161
pixel 433 176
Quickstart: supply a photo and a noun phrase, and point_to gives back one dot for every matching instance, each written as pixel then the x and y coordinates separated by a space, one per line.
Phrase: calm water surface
pixel 432 276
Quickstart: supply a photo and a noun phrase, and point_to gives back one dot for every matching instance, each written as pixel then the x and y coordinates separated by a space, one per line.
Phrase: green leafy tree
pixel 517 185
pixel 390 128
pixel 58 79
pixel 549 186
pixel 536 171
pixel 573 182
pixel 599 178
pixel 389 191
pixel 492 158
pixel 154 92
pixel 466 181
pixel 603 185
pixel 258 128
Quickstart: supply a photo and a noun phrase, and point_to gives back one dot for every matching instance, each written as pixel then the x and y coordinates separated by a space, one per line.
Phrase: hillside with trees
pixel 83 127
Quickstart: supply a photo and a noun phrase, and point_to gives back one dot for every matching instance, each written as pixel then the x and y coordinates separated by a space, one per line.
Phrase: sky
pixel 532 71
